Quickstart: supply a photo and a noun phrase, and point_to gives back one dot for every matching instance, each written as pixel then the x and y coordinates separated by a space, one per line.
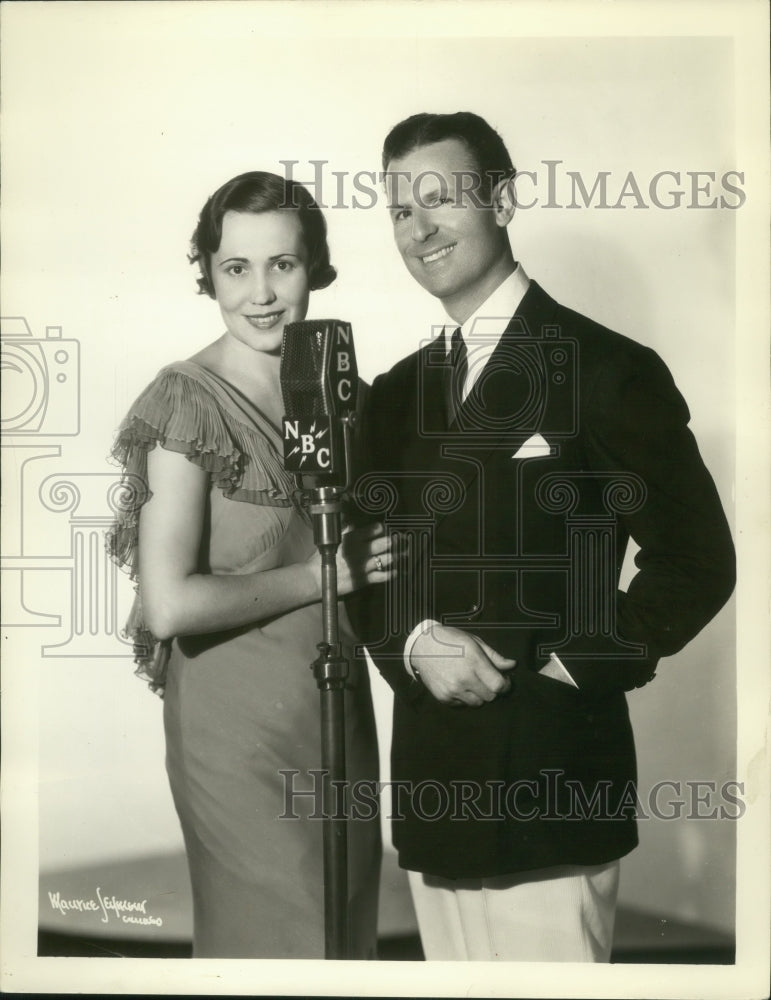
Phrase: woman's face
pixel 260 276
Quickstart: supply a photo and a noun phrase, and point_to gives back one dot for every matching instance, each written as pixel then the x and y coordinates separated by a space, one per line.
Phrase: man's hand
pixel 459 669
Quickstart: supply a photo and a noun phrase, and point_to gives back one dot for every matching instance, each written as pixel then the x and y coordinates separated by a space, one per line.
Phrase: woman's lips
pixel 265 321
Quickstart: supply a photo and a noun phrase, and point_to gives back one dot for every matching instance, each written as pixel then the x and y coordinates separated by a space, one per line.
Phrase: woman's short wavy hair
pixel 258 191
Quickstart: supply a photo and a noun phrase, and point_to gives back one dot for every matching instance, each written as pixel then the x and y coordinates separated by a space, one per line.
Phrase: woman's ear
pixel 504 202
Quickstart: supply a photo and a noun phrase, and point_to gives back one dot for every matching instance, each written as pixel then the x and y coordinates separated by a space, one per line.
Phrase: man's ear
pixel 504 202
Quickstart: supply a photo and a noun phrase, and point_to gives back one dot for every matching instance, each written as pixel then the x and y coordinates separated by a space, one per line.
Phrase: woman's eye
pixel 236 270
pixel 284 265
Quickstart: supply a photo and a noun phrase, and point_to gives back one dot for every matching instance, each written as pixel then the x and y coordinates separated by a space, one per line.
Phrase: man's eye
pixel 401 214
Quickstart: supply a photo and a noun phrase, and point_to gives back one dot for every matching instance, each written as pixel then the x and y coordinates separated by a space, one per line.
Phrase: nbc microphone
pixel 318 381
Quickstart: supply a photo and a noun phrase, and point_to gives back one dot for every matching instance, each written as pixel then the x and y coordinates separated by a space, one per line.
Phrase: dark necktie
pixel 455 375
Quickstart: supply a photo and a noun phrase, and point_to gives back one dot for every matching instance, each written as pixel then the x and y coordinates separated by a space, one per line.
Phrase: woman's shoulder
pixel 177 393
pixel 176 372
pixel 165 376
pixel 188 388
pixel 189 409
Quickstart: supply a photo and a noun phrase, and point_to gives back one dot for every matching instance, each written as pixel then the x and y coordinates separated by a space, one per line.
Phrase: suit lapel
pixel 504 409
pixel 507 395
pixel 509 401
pixel 432 373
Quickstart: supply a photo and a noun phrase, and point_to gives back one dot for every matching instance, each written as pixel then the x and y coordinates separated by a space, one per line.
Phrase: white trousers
pixel 560 914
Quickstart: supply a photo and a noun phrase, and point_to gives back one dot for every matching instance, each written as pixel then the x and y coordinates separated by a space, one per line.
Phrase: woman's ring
pixel 379 564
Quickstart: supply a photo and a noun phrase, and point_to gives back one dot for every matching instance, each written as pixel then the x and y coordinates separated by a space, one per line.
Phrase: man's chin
pixel 433 284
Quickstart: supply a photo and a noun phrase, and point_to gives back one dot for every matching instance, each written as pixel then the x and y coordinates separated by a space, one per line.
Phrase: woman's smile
pixel 265 321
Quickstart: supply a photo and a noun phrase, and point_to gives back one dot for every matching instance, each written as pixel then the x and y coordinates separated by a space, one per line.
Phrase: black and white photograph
pixel 385 528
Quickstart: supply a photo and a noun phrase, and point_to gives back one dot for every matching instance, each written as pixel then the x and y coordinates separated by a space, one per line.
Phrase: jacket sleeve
pixel 636 420
pixel 370 608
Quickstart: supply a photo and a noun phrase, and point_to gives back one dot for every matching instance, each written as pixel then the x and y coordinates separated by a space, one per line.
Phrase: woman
pixel 227 569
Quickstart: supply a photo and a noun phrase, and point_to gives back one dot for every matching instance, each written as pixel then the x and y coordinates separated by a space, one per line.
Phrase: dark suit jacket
pixel 525 552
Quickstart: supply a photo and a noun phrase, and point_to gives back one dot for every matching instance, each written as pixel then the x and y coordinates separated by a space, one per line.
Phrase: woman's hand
pixel 180 600
pixel 365 555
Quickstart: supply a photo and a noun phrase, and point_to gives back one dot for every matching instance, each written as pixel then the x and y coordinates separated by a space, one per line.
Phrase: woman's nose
pixel 262 289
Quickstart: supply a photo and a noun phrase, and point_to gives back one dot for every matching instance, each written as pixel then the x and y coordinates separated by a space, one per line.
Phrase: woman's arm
pixel 178 600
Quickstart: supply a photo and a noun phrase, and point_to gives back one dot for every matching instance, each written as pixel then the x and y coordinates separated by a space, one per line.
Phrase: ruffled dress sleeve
pixel 188 410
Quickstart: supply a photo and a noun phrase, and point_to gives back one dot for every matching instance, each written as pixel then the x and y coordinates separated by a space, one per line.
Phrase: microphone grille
pixel 304 358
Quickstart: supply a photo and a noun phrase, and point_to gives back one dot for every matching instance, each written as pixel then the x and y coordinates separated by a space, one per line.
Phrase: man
pixel 517 454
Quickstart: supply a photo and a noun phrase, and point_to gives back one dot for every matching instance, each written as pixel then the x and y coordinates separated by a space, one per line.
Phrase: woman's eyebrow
pixel 240 260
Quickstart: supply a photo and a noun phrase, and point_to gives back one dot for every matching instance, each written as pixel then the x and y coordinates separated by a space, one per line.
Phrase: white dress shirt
pixel 483 330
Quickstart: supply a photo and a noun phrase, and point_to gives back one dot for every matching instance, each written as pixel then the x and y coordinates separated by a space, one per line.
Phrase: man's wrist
pixel 420 629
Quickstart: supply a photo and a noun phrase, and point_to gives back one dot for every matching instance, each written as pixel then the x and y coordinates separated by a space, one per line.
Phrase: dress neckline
pixel 236 394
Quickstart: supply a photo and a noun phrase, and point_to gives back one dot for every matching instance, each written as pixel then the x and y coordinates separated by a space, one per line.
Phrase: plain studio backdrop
pixel 121 119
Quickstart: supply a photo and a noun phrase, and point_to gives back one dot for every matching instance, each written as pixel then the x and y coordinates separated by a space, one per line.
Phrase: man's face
pixel 452 245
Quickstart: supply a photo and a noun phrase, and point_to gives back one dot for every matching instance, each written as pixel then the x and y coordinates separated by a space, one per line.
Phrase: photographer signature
pixel 125 910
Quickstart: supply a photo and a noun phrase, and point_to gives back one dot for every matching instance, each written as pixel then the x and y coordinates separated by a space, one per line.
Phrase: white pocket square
pixel 535 447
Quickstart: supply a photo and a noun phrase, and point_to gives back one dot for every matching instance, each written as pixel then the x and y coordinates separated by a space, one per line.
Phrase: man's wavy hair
pixel 487 148
pixel 258 191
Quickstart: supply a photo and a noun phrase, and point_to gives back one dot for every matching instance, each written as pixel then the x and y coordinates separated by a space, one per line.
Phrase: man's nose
pixel 423 225
pixel 262 289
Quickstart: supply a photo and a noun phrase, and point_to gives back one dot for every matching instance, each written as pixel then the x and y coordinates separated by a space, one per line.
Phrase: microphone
pixel 319 381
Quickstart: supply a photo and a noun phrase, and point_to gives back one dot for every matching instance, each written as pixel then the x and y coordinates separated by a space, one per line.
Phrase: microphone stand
pixel 330 670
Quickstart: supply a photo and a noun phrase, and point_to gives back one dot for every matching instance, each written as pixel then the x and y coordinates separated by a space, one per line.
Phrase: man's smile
pixel 438 254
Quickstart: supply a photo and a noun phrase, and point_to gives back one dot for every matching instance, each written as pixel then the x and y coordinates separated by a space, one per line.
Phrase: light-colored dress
pixel 242 706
